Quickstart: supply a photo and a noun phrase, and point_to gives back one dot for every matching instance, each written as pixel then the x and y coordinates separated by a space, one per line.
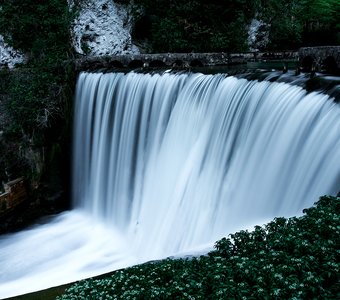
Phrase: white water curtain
pixel 169 163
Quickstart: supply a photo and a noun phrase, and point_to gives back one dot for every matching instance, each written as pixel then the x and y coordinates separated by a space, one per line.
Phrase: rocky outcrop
pixel 258 35
pixel 9 57
pixel 103 28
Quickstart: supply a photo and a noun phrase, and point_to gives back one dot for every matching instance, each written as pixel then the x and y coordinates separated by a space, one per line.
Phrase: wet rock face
pixel 103 28
pixel 9 57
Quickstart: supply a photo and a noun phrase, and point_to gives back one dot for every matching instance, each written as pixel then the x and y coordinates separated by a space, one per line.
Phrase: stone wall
pixel 180 60
pixel 325 58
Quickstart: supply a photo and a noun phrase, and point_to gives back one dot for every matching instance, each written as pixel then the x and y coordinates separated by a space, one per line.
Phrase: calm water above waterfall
pixel 166 164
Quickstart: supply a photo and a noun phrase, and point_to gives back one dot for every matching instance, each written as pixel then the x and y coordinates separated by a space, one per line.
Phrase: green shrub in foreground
pixel 295 258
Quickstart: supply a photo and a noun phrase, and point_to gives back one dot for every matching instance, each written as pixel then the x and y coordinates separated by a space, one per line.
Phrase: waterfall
pixel 166 164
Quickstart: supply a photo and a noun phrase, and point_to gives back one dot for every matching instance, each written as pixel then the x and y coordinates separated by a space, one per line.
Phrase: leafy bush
pixel 195 25
pixel 295 23
pixel 38 28
pixel 207 26
pixel 295 258
pixel 35 97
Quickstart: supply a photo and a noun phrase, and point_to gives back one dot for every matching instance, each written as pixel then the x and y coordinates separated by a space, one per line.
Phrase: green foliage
pixel 197 25
pixel 34 96
pixel 38 28
pixel 295 23
pixel 207 26
pixel 295 258
pixel 321 23
pixel 41 30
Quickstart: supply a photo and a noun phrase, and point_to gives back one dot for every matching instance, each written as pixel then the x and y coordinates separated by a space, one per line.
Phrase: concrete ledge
pixel 185 60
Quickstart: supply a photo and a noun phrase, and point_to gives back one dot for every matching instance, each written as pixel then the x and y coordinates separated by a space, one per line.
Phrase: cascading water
pixel 167 164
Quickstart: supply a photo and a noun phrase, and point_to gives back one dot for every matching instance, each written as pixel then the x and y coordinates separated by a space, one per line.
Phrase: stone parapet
pixel 184 60
pixel 323 58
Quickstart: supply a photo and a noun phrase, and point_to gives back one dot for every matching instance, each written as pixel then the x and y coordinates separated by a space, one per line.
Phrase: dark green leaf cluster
pixel 35 106
pixel 41 30
pixel 33 97
pixel 38 28
pixel 208 26
pixel 35 115
pixel 195 25
pixel 295 258
pixel 295 23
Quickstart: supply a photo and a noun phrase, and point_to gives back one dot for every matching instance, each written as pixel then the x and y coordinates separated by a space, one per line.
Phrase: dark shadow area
pixel 142 29
pixel 135 64
pixel 307 64
pixel 196 63
pixel 157 64
pixel 178 63
pixel 115 64
pixel 329 65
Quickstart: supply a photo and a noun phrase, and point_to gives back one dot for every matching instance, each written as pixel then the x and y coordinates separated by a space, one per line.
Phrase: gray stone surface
pixel 9 57
pixel 179 59
pixel 320 54
pixel 103 27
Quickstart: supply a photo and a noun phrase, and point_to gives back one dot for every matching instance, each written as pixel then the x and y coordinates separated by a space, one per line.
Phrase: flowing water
pixel 166 164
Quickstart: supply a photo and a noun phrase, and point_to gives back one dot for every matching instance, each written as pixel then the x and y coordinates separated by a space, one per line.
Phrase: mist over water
pixel 169 163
